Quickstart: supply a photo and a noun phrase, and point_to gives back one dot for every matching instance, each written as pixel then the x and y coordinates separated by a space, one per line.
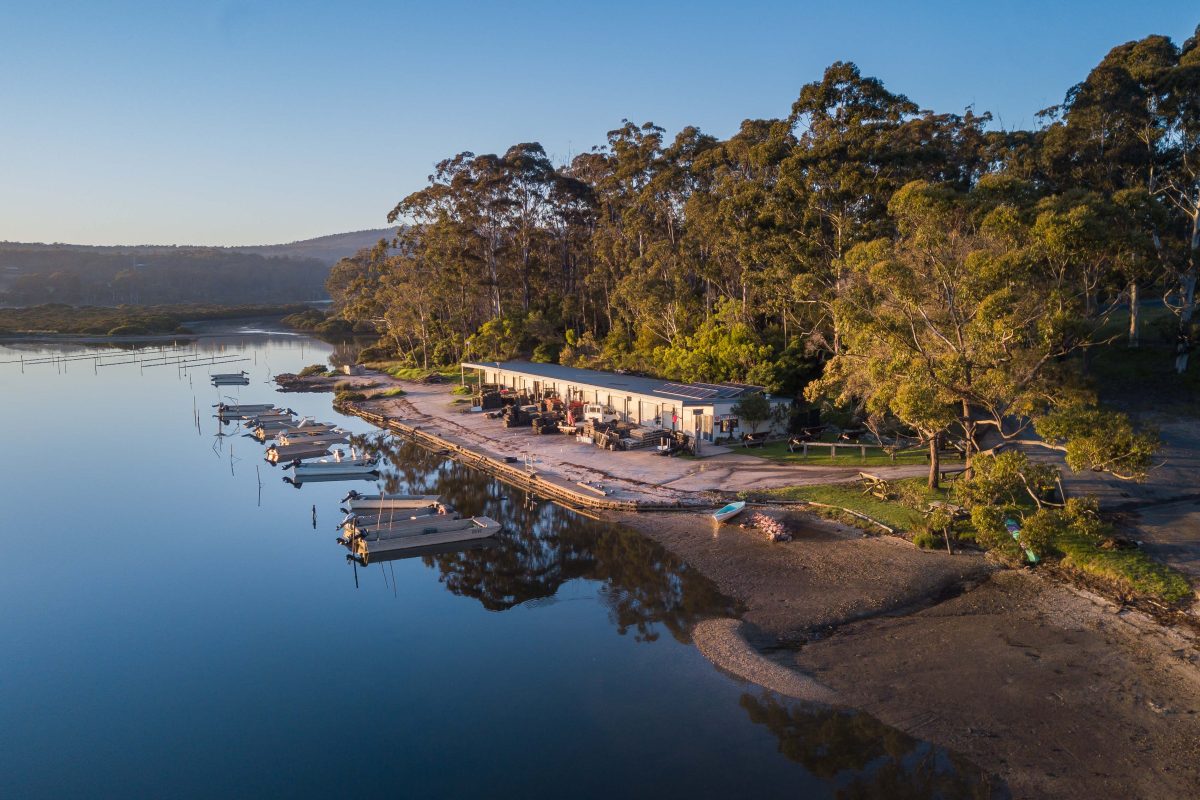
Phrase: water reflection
pixel 863 757
pixel 544 546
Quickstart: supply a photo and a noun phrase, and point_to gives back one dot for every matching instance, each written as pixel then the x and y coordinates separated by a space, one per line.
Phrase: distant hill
pixel 324 248
pixel 31 274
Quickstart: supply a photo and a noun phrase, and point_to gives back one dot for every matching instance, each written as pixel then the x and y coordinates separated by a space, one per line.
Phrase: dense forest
pixel 150 275
pixel 928 270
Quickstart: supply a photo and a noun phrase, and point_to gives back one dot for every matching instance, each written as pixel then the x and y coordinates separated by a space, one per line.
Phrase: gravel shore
pixel 1060 693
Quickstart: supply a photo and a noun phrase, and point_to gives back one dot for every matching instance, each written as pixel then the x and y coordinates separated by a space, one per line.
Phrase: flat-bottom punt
pixel 347 467
pixel 476 528
pixel 383 527
pixel 368 503
pixel 277 455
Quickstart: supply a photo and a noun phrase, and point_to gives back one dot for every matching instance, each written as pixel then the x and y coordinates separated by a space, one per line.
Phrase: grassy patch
pixel 1131 573
pixel 819 456
pixel 1121 373
pixel 850 495
pixel 406 372
pixel 395 391
pixel 463 390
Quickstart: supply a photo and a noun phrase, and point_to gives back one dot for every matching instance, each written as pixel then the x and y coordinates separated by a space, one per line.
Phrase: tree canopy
pixel 925 270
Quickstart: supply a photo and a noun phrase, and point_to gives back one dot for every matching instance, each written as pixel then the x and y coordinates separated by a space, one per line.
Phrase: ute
pixel 594 412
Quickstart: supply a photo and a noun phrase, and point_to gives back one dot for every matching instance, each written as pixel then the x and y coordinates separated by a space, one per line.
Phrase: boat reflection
pixel 644 587
pixel 426 551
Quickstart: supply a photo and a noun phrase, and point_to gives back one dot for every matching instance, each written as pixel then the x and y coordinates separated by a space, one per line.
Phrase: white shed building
pixel 704 410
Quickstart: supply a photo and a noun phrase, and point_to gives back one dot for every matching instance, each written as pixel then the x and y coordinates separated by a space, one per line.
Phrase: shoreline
pixel 1043 684
pixel 990 664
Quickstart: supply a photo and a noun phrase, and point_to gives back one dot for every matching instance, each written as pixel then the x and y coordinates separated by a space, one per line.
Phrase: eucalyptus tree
pixel 1131 129
pixel 956 322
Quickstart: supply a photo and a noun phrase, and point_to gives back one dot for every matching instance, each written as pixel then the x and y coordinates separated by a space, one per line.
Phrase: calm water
pixel 169 629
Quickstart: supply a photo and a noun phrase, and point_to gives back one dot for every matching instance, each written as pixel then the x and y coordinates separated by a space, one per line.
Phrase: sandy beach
pixel 1059 692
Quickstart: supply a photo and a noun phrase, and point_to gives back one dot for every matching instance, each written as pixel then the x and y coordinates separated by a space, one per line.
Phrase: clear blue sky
pixel 256 122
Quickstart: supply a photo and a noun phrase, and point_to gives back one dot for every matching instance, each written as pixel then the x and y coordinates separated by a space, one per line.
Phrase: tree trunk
pixel 934 462
pixel 1185 321
pixel 968 441
pixel 1188 285
pixel 1134 315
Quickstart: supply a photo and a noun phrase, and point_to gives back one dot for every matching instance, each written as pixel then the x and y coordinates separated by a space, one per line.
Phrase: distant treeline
pixel 125 320
pixel 31 274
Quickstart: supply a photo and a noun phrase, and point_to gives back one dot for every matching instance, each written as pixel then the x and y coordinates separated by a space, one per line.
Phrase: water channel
pixel 174 622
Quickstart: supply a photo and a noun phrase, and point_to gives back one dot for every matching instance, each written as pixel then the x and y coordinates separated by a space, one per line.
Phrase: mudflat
pixel 1058 692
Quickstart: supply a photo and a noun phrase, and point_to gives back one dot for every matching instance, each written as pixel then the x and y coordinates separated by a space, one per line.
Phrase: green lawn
pixel 1131 572
pixel 850 495
pixel 819 456
pixel 405 372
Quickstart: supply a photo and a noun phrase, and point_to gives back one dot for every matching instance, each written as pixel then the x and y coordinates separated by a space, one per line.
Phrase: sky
pixel 239 122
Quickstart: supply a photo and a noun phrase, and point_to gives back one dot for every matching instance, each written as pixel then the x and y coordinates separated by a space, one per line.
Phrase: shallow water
pixel 174 625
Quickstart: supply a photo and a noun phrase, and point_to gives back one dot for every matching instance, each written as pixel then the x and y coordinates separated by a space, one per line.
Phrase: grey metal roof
pixel 686 394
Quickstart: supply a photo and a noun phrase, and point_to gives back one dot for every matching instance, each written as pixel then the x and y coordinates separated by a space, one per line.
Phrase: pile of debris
pixel 775 530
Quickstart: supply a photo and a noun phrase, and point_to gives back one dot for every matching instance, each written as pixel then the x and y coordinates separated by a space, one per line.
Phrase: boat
pixel 276 453
pixel 378 525
pixel 285 438
pixel 230 378
pixel 226 409
pixel 366 502
pixel 420 550
pixel 730 511
pixel 346 467
pixel 1014 527
pixel 464 530
pixel 280 416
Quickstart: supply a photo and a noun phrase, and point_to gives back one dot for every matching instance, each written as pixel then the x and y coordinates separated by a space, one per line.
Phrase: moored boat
pixel 277 454
pixel 472 528
pixel 365 503
pixel 289 436
pixel 348 467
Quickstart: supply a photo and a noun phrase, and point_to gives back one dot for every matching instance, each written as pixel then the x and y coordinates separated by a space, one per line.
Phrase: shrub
pixel 312 369
pixel 925 540
pixel 349 397
pixel 546 353
pixel 462 390
pixel 129 329
pixel 911 495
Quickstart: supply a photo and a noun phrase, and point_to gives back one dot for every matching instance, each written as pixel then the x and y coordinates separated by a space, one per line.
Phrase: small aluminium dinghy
pixel 730 511
pixel 346 467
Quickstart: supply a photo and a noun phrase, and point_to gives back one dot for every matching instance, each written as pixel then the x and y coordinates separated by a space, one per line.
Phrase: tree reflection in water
pixel 864 757
pixel 544 545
